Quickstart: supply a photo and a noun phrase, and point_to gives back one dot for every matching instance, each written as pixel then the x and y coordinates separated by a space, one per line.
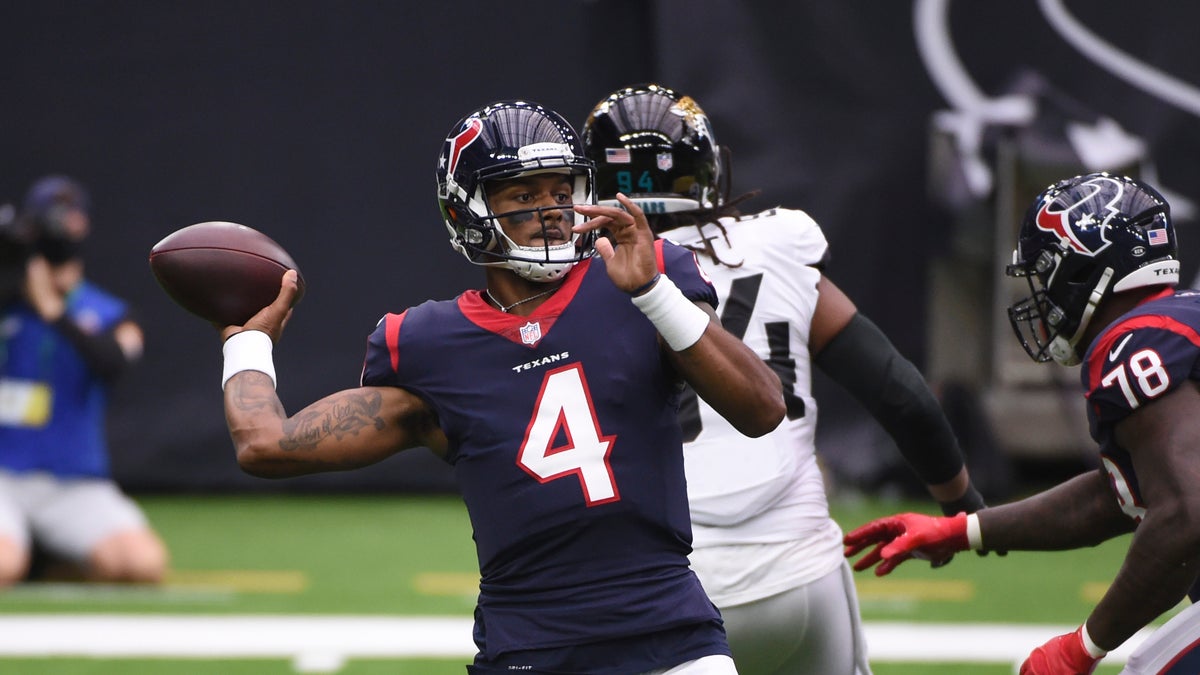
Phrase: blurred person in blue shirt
pixel 63 343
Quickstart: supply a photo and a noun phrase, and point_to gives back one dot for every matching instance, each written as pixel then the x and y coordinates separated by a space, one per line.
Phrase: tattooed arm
pixel 346 430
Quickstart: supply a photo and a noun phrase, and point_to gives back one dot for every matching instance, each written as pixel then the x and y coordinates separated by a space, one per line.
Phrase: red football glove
pixel 1063 655
pixel 907 535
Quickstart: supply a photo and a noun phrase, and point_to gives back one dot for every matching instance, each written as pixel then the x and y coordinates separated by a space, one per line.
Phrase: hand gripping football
pixel 221 272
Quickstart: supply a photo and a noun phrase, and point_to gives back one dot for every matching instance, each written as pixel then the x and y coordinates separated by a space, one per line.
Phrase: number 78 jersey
pixel 1141 357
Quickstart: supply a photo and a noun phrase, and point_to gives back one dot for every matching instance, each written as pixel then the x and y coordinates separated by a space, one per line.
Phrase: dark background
pixel 319 123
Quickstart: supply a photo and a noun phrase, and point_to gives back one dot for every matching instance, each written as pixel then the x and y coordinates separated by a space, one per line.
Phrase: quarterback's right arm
pixel 346 430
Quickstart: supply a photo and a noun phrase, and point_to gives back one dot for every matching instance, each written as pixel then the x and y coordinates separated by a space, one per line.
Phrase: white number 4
pixel 565 405
pixel 1148 372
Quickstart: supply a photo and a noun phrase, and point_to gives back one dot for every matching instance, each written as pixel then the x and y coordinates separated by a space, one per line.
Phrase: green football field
pixel 385 584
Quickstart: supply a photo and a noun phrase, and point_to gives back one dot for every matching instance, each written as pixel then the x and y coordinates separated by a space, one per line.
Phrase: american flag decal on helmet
pixel 617 155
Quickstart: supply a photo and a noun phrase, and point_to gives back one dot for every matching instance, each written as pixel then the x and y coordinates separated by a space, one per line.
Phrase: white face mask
pixel 558 259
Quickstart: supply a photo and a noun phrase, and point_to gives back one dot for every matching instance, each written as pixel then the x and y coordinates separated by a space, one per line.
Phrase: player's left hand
pixel 631 262
pixel 1062 655
pixel 907 535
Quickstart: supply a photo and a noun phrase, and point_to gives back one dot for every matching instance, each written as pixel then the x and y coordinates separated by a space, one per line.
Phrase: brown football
pixel 222 272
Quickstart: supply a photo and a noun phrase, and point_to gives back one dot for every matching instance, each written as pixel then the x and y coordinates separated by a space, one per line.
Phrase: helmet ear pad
pixel 476 238
pixel 466 236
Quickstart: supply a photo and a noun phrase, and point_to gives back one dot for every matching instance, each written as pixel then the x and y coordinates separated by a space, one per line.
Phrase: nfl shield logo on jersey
pixel 531 333
pixel 665 161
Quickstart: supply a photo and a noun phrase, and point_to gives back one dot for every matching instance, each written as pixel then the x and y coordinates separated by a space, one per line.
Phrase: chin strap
pixel 1063 349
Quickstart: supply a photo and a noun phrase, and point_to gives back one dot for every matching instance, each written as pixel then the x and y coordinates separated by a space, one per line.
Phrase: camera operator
pixel 63 342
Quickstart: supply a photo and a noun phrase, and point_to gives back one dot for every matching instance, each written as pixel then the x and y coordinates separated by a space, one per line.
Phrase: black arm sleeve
pixel 864 361
pixel 100 351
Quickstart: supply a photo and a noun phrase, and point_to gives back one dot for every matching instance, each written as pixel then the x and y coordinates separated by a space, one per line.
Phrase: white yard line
pixel 323 643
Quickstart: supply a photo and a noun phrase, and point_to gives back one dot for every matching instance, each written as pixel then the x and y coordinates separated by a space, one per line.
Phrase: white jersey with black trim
pixel 766 490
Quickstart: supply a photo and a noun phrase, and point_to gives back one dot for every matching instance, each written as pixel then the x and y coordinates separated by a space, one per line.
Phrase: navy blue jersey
pixel 563 436
pixel 1142 356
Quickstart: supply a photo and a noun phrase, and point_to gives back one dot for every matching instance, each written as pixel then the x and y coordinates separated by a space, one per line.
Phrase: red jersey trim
pixel 391 332
pixel 481 313
pixel 1110 336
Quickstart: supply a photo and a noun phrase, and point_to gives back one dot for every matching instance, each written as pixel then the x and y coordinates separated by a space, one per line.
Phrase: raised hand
pixel 631 262
pixel 907 535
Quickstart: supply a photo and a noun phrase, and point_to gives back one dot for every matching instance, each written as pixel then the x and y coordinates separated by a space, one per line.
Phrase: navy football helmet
pixel 503 140
pixel 1082 240
pixel 657 148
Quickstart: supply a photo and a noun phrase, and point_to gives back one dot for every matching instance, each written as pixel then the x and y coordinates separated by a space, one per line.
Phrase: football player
pixel 1098 252
pixel 765 546
pixel 552 392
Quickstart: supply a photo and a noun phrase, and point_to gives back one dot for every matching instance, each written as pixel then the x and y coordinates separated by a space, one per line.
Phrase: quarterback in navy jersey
pixel 553 394
pixel 1100 256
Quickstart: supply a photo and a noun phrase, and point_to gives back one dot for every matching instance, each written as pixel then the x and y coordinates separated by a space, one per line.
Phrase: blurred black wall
pixel 320 122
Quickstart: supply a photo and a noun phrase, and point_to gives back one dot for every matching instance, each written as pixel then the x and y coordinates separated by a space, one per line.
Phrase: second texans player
pixel 1100 256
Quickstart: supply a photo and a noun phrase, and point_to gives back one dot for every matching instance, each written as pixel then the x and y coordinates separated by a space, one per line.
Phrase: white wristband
pixel 1094 650
pixel 248 350
pixel 974 535
pixel 678 320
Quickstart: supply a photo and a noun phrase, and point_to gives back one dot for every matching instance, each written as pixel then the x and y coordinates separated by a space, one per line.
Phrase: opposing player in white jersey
pixel 765 547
